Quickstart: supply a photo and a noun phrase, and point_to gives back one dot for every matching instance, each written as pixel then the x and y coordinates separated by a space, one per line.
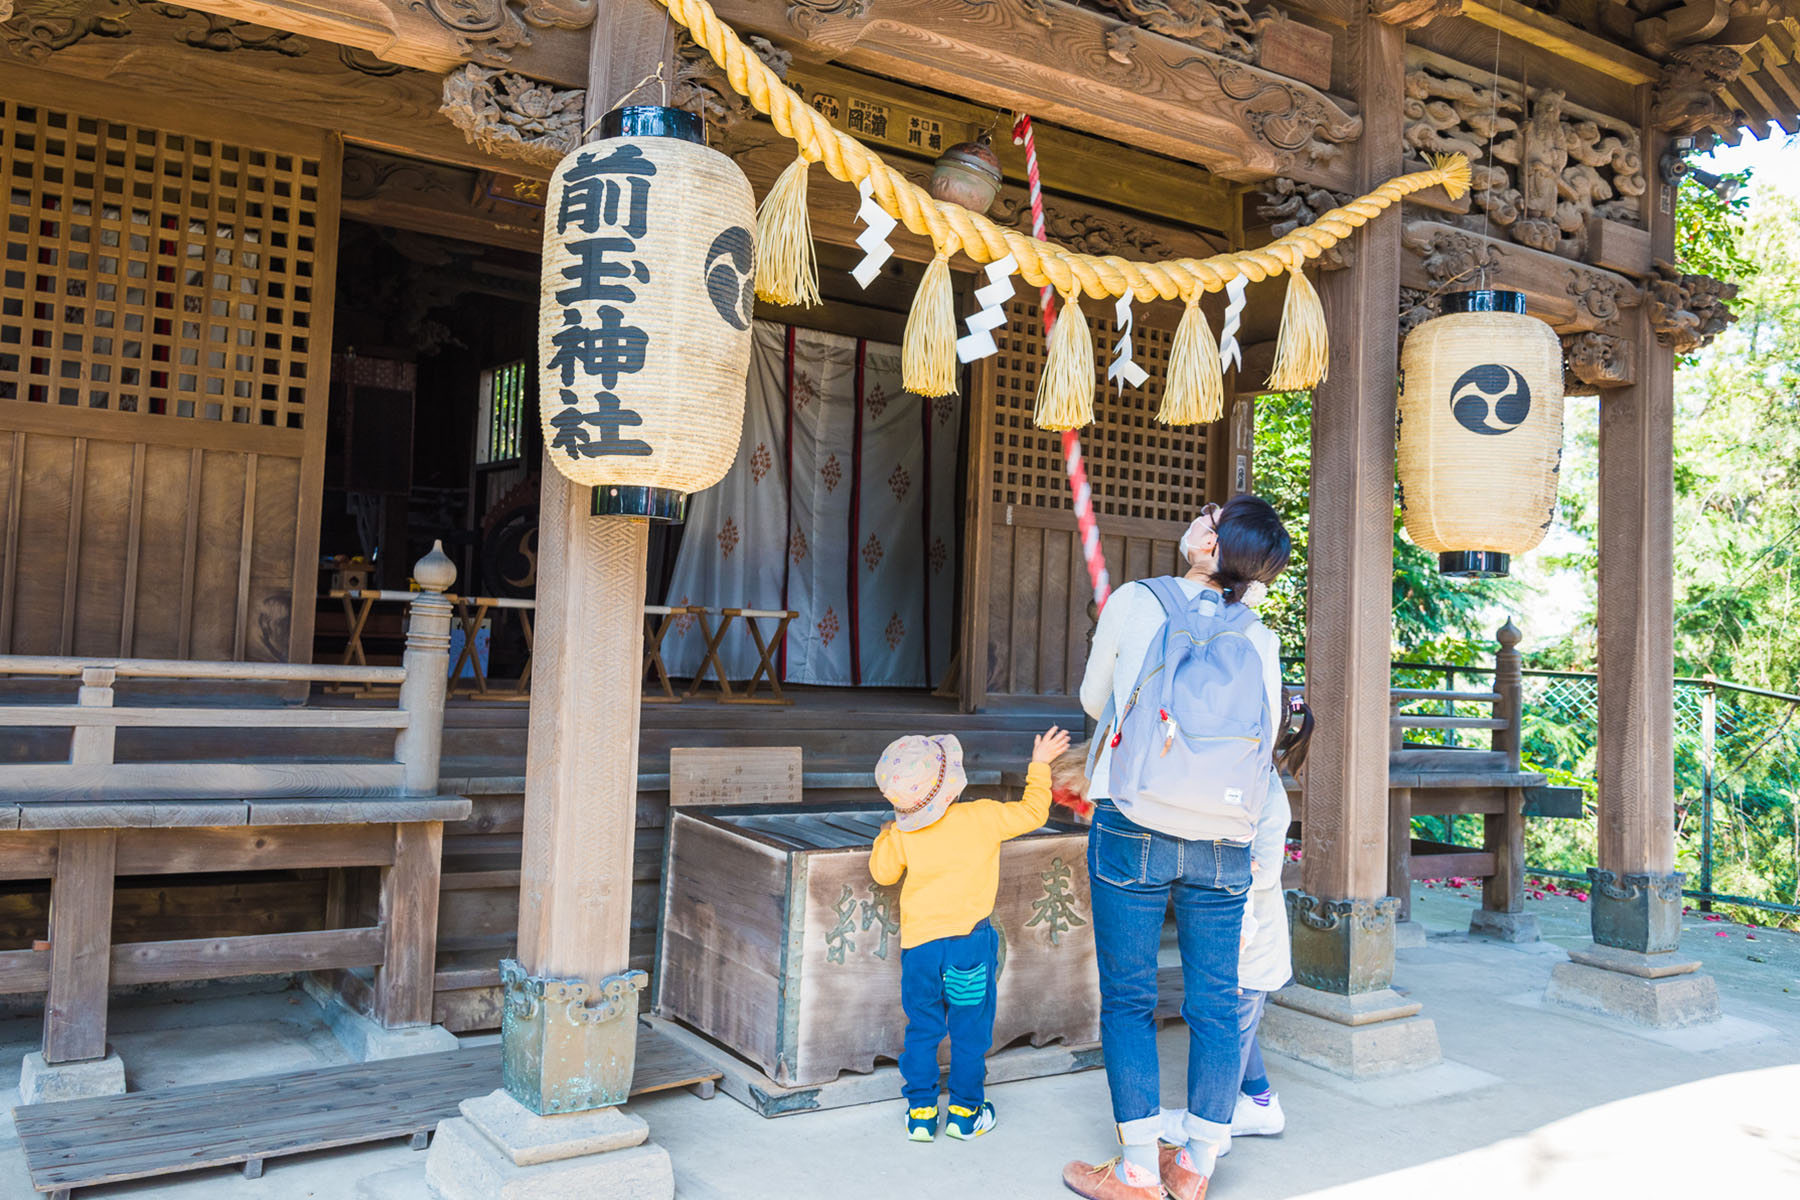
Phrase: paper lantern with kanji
pixel 1481 415
pixel 644 312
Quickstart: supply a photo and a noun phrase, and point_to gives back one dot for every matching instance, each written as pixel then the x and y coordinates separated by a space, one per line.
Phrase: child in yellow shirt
pixel 950 856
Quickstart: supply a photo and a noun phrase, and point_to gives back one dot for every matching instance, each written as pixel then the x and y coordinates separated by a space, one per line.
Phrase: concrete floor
pixel 1529 1101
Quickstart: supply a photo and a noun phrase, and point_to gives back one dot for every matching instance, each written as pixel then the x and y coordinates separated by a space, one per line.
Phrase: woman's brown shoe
pixel 1183 1183
pixel 1101 1182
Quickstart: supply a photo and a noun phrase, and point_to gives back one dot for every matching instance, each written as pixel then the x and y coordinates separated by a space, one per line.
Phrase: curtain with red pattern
pixel 842 507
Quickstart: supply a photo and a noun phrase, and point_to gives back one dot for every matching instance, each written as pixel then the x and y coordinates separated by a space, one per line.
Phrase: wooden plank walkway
pixel 84 1143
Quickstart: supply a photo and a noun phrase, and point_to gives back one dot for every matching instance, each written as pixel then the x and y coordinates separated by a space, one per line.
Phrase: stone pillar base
pixel 1660 991
pixel 41 1083
pixel 364 1037
pixel 1364 1036
pixel 500 1150
pixel 1504 927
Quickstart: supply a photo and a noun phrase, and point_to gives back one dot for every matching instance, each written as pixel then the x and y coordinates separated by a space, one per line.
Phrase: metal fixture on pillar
pixel 1481 417
pixel 644 313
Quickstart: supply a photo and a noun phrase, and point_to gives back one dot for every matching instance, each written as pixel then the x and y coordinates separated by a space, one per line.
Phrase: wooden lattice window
pixel 154 272
pixel 1136 466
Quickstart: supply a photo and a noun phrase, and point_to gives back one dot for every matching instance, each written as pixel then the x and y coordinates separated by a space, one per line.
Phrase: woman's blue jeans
pixel 1134 872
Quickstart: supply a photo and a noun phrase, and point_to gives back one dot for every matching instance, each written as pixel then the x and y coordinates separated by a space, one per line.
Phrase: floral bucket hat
pixel 921 777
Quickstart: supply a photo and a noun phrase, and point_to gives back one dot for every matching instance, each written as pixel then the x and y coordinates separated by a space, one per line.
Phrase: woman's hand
pixel 1049 745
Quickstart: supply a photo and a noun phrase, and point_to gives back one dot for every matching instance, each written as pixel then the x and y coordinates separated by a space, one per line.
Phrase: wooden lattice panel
pixel 1136 466
pixel 154 272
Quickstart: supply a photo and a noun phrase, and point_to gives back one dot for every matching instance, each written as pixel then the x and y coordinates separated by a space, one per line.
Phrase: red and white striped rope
pixel 1071 442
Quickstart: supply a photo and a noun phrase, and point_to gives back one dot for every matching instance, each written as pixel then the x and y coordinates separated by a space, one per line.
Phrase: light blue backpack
pixel 1192 748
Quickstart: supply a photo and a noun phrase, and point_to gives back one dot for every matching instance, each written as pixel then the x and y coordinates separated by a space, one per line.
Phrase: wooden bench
pixel 1451 781
pixel 86 1143
pixel 84 822
pixel 767 647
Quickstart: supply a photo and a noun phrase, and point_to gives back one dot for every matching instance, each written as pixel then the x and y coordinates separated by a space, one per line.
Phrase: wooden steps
pixel 85 1143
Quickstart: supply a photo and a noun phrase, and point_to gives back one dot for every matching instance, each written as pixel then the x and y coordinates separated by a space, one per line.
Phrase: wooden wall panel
pixel 1149 481
pixel 159 613
pixel 42 545
pixel 213 631
pixel 165 303
pixel 96 616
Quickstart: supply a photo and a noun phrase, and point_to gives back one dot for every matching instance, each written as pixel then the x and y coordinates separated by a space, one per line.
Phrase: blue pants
pixel 947 987
pixel 1250 1010
pixel 1134 871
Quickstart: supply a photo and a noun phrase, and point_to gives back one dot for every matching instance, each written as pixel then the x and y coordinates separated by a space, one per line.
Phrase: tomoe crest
pixel 730 268
pixel 1490 399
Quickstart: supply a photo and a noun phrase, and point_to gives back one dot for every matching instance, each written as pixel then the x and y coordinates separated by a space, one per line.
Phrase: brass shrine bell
pixel 968 174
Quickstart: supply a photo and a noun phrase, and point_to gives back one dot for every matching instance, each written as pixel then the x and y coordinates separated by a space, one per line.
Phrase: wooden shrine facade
pixel 176 178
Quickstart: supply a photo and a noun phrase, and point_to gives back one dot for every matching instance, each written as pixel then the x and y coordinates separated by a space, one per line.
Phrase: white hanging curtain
pixel 841 507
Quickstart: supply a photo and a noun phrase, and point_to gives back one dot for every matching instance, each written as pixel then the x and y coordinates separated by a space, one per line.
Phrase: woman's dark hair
pixel 1253 545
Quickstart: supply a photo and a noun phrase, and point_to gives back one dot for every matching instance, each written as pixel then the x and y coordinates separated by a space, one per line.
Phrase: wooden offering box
pixel 777 943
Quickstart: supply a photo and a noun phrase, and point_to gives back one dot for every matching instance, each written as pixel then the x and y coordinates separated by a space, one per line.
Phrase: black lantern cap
pixel 653 120
pixel 1482 300
pixel 650 503
pixel 1472 564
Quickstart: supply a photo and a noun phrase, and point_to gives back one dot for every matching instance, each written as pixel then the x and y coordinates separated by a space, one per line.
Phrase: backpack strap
pixel 1168 593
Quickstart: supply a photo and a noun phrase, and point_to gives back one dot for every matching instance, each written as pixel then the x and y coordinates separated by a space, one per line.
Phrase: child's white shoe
pixel 1250 1119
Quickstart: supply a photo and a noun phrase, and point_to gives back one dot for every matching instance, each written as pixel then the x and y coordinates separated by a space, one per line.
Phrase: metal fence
pixel 1737 784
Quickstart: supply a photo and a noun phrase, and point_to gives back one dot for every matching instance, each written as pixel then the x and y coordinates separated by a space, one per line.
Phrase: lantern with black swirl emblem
pixel 644 313
pixel 1481 414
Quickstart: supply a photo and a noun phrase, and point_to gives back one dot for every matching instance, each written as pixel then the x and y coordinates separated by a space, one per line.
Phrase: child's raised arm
pixel 1027 814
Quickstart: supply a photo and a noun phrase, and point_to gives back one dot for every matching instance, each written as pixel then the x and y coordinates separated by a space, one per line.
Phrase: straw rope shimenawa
pixel 1300 351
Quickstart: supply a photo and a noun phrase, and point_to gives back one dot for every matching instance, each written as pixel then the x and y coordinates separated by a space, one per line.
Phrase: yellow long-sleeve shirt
pixel 952 866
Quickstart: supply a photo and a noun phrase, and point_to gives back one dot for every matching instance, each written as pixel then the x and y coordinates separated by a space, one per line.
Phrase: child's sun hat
pixel 921 777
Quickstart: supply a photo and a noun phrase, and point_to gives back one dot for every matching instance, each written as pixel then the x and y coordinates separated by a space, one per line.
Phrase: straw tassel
pixel 1195 392
pixel 1302 349
pixel 787 270
pixel 1065 397
pixel 928 351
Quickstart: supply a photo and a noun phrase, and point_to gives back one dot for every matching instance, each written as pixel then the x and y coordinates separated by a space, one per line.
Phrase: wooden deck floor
pixel 85 1143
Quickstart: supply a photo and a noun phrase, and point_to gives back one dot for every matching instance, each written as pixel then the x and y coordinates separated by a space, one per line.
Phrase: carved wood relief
pixel 489 30
pixel 1595 361
pixel 700 86
pixel 1543 167
pixel 1570 296
pixel 511 116
pixel 1225 28
pixel 1288 204
pixel 1688 311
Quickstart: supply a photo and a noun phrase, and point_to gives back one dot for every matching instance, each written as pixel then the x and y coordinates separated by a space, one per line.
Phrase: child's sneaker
pixel 921 1124
pixel 1255 1118
pixel 965 1123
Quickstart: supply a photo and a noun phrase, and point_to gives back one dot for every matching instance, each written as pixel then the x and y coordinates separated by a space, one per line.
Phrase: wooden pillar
pixel 409 917
pixel 81 900
pixel 1503 833
pixel 581 765
pixel 1350 571
pixel 1637 896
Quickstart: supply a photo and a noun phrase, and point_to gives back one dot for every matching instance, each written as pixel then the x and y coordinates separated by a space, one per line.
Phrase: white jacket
pixel 1264 963
pixel 1128 625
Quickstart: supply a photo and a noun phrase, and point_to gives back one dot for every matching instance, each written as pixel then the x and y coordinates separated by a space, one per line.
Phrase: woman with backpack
pixel 1185 685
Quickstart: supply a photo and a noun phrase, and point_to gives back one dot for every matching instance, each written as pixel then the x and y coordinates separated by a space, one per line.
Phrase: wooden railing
pixel 92 819
pixel 91 771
